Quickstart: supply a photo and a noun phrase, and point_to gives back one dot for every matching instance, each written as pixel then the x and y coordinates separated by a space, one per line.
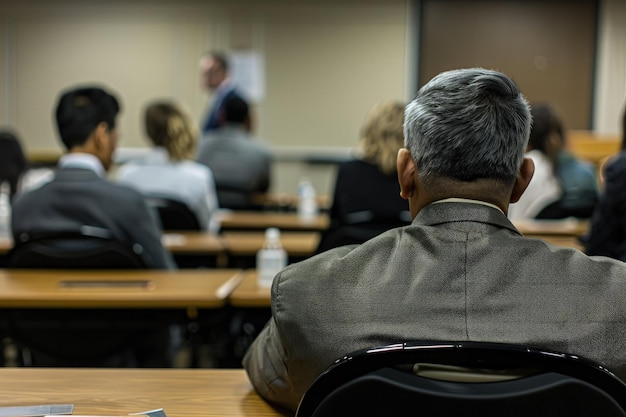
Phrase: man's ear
pixel 524 176
pixel 406 173
pixel 100 134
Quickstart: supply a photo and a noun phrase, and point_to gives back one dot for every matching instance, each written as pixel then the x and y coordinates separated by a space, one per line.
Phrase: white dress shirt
pixel 154 174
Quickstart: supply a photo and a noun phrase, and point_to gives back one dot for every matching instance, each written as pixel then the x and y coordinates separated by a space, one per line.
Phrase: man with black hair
pixel 79 195
pixel 239 162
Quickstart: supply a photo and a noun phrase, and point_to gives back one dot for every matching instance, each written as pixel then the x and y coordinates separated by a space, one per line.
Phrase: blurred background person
pixel 168 170
pixel 607 232
pixel 366 199
pixel 240 163
pixel 15 169
pixel 562 185
pixel 215 77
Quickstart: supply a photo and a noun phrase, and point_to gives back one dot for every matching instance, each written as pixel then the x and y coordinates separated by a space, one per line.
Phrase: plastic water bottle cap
pixel 272 233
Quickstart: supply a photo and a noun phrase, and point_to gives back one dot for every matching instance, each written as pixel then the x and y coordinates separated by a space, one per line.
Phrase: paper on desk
pixel 37 410
pixel 152 413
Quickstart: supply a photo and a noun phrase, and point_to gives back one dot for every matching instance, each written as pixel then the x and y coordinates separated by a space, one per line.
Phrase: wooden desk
pixel 287 201
pixel 133 289
pixel 591 146
pixel 264 219
pixel 118 392
pixel 297 244
pixel 566 227
pixel 249 293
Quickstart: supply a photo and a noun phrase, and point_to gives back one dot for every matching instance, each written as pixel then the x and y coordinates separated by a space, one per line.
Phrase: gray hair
pixel 468 124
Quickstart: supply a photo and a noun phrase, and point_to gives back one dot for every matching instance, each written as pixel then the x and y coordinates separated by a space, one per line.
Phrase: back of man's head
pixel 80 110
pixel 235 111
pixel 466 125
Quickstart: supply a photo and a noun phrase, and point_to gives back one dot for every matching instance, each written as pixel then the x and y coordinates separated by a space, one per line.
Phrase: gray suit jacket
pixel 240 165
pixel 460 271
pixel 77 197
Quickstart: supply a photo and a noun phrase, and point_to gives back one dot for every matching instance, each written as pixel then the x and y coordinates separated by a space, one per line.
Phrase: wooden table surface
pixel 565 227
pixel 265 219
pixel 118 392
pixel 248 243
pixel 249 293
pixel 193 288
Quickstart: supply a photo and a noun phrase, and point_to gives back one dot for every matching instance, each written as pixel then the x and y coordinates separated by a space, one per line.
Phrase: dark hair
pixel 80 111
pixel 545 122
pixel 12 160
pixel 220 58
pixel 235 110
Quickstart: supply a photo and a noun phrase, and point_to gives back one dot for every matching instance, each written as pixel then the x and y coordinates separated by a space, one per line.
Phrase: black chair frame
pixel 548 368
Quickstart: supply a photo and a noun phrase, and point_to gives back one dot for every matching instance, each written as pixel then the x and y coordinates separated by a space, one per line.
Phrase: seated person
pixel 168 171
pixel 361 212
pixel 562 186
pixel 607 231
pixel 460 271
pixel 241 165
pixel 15 169
pixel 79 195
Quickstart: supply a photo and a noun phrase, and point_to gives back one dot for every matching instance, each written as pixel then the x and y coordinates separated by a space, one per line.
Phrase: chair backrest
pixel 383 381
pixel 174 215
pixel 88 248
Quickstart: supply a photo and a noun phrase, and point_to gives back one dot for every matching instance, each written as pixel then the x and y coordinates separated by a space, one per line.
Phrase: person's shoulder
pixel 196 169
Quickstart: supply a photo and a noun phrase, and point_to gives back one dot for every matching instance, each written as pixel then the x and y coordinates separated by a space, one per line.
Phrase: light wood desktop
pixel 249 294
pixel 118 392
pixel 264 219
pixel 298 244
pixel 565 227
pixel 206 288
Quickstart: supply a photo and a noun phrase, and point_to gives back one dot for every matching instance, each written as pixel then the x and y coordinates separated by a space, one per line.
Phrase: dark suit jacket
pixel 366 202
pixel 460 271
pixel 78 197
pixel 212 118
pixel 607 235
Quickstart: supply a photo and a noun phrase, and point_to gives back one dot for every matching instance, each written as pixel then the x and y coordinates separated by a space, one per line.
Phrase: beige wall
pixel 326 63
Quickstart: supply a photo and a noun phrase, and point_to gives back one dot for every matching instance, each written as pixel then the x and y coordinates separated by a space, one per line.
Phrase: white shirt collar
pixel 467 200
pixel 83 161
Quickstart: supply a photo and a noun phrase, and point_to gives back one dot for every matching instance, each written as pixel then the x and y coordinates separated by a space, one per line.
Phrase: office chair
pixel 89 247
pixel 426 379
pixel 94 337
pixel 174 215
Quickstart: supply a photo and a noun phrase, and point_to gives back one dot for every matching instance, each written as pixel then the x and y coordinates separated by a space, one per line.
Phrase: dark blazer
pixel 78 197
pixel 211 121
pixel 607 233
pixel 460 271
pixel 366 202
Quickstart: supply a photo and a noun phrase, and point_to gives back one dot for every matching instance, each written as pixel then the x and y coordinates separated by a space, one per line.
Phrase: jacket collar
pixel 459 211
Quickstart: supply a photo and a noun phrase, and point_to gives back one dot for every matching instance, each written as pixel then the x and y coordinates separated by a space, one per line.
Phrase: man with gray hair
pixel 461 271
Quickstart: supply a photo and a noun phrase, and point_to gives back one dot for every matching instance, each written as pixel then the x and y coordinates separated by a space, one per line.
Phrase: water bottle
pixel 5 210
pixel 307 204
pixel 271 258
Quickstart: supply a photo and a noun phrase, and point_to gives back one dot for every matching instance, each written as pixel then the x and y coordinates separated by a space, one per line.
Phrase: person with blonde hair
pixel 360 212
pixel 168 170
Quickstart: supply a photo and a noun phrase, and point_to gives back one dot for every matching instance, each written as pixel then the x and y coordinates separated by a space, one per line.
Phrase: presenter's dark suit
pixel 460 271
pixel 212 120
pixel 78 197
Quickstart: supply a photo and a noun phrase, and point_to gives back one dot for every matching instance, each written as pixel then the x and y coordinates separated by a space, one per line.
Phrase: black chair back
pixel 85 249
pixel 384 382
pixel 174 215
pixel 86 337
